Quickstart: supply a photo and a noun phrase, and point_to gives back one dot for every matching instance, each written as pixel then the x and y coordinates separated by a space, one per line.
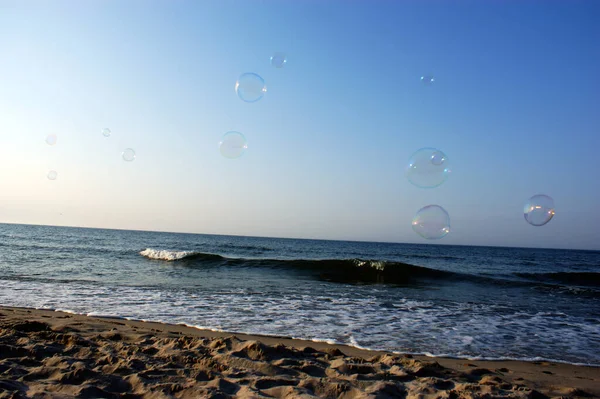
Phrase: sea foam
pixel 161 254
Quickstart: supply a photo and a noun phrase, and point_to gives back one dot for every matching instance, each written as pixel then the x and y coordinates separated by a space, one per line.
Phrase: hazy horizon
pixel 423 242
pixel 514 106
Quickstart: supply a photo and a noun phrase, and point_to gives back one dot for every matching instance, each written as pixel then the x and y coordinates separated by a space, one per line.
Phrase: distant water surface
pixel 472 302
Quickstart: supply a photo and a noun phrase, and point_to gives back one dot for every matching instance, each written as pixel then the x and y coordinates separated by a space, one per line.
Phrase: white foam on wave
pixel 162 254
pixel 62 310
pixel 105 315
pixel 354 343
pixel 320 340
pixel 377 265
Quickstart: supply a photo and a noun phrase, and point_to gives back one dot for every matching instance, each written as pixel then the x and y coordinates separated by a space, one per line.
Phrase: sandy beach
pixel 48 354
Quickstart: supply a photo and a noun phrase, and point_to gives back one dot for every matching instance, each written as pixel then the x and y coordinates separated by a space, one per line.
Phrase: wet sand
pixel 48 354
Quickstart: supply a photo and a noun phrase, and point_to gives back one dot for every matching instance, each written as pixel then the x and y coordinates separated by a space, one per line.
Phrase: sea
pixel 467 302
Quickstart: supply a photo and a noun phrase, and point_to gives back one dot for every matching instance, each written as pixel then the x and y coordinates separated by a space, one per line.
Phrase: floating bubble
pixel 52 175
pixel 128 155
pixel 233 145
pixel 106 132
pixel 278 60
pixel 428 168
pixel 250 87
pixel 427 79
pixel 539 210
pixel 51 139
pixel 431 222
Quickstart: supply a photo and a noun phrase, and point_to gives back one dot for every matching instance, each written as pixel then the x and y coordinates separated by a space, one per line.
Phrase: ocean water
pixel 460 301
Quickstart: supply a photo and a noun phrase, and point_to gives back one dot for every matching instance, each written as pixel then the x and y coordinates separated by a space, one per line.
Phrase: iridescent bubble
pixel 250 87
pixel 427 79
pixel 278 60
pixel 51 139
pixel 539 210
pixel 128 154
pixel 106 132
pixel 52 175
pixel 428 168
pixel 431 222
pixel 233 145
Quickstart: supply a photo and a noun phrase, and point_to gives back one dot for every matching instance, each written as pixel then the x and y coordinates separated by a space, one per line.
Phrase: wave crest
pixel 365 271
pixel 161 254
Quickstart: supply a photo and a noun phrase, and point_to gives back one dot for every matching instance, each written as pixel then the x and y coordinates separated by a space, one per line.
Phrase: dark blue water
pixel 474 302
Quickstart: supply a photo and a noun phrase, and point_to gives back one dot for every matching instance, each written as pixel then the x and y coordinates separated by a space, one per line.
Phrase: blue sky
pixel 514 106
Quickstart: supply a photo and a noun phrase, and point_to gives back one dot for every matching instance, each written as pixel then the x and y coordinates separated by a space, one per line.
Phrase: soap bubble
pixel 427 79
pixel 250 87
pixel 128 155
pixel 233 145
pixel 539 210
pixel 106 132
pixel 428 168
pixel 431 222
pixel 52 175
pixel 278 60
pixel 51 139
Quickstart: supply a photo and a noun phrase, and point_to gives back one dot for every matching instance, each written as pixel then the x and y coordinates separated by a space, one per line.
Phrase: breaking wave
pixel 161 254
pixel 360 271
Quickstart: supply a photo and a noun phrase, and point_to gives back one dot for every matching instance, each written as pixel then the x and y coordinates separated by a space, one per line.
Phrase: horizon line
pixel 294 238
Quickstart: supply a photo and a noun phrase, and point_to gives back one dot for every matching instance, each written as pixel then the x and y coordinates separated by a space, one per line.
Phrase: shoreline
pixel 201 329
pixel 259 336
pixel 338 364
